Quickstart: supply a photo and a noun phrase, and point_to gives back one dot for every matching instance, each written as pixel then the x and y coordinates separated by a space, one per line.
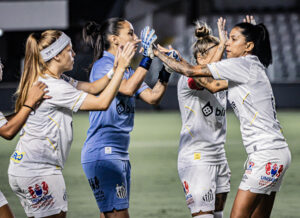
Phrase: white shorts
pixel 40 196
pixel 264 170
pixel 3 200
pixel 201 183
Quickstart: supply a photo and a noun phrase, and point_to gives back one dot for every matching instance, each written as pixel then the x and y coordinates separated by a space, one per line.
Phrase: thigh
pixel 110 183
pixel 5 211
pixel 264 207
pixel 199 185
pixel 41 196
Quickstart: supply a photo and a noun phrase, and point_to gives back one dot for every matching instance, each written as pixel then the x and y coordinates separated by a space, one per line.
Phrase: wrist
pixel 146 62
pixel 30 103
pixel 163 76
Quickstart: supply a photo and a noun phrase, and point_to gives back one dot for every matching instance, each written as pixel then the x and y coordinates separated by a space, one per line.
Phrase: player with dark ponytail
pixel 251 97
pixel 104 157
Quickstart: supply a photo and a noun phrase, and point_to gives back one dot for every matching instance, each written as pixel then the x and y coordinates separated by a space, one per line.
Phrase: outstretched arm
pixel 16 121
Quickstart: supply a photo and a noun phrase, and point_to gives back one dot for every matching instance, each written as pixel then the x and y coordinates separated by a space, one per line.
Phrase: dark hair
pixel 96 35
pixel 204 38
pixel 259 35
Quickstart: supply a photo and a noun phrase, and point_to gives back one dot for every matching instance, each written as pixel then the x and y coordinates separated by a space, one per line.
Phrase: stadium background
pixel 156 191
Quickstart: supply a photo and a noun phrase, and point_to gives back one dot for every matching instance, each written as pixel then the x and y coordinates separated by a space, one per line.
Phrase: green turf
pixel 156 191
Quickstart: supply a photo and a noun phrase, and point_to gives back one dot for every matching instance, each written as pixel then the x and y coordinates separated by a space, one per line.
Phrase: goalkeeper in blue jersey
pixel 104 157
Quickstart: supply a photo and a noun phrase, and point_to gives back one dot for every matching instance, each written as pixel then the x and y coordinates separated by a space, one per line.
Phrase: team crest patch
pixel 40 196
pixel 208 197
pixel 273 171
pixel 121 191
pixel 250 167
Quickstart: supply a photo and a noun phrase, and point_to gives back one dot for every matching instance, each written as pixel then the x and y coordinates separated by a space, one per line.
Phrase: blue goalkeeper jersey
pixel 108 136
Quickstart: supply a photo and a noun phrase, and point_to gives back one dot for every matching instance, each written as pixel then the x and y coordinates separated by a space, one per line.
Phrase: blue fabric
pixel 108 135
pixel 110 183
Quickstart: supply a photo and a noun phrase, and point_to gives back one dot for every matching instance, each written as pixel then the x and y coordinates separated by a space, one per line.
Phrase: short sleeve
pixel 3 120
pixel 233 69
pixel 141 89
pixel 101 68
pixel 66 96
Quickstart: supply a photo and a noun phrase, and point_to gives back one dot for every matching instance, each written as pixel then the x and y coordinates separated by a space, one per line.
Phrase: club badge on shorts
pixel 121 191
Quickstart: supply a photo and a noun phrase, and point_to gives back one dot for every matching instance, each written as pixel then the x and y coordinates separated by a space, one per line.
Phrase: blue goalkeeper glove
pixel 148 37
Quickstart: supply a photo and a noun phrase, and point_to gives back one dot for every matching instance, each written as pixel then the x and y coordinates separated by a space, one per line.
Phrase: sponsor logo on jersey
pixel 273 171
pixel 236 111
pixel 207 109
pixel 123 108
pixel 121 191
pixel 208 197
pixel 197 156
pixel 17 156
pixel 39 195
pixel 250 167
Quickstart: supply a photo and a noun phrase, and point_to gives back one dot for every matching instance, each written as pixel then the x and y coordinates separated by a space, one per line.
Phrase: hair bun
pixel 91 27
pixel 202 30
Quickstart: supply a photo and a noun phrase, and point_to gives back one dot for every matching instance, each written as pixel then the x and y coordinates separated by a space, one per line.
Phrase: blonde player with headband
pixel 10 126
pixel 251 97
pixel 35 170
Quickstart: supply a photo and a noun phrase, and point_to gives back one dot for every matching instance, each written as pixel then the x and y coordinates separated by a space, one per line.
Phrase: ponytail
pixel 34 65
pixel 259 35
pixel 96 35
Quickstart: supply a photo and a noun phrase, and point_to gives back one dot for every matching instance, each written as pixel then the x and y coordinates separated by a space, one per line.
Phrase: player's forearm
pixel 157 93
pixel 218 54
pixel 183 67
pixel 15 123
pixel 211 84
pixel 94 87
pixel 131 85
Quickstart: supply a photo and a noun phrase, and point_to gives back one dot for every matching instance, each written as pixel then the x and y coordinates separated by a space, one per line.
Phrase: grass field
pixel 155 189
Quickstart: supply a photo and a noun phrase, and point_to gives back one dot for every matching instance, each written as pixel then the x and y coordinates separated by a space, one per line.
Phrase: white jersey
pixel 46 137
pixel 3 121
pixel 203 131
pixel 251 97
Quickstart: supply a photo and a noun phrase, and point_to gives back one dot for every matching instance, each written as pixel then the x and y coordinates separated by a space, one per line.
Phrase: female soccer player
pixel 203 133
pixel 251 97
pixel 35 170
pixel 10 126
pixel 104 157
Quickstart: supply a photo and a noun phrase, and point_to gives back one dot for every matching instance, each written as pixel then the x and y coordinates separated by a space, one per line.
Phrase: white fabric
pixel 41 196
pixel 251 97
pixel 264 170
pixel 110 73
pixel 3 200
pixel 56 47
pixel 46 138
pixel 201 184
pixel 3 120
pixel 218 214
pixel 203 131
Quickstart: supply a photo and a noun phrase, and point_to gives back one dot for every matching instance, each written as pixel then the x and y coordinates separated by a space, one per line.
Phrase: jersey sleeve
pixel 233 69
pixel 101 68
pixel 141 89
pixel 66 96
pixel 3 120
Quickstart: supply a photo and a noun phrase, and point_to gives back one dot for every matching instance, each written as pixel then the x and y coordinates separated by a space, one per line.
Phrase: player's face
pixel 67 58
pixel 206 58
pixel 1 70
pixel 126 34
pixel 236 45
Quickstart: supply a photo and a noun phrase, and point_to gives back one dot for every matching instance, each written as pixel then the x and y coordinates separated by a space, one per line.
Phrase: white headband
pixel 56 47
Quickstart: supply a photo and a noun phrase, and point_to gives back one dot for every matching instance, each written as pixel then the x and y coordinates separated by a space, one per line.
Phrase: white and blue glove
pixel 172 54
pixel 148 37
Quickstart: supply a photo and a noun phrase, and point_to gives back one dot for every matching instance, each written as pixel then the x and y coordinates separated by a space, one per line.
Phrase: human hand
pixel 36 94
pixel 223 36
pixel 148 38
pixel 124 55
pixel 249 19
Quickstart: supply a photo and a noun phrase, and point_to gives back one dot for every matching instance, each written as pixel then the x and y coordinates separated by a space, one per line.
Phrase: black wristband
pixel 163 75
pixel 32 109
pixel 146 62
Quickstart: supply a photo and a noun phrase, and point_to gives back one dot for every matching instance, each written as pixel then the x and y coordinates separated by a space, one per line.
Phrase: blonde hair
pixel 204 38
pixel 34 65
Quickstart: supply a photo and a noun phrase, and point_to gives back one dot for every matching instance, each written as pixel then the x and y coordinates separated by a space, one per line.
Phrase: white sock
pixel 218 214
pixel 204 216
